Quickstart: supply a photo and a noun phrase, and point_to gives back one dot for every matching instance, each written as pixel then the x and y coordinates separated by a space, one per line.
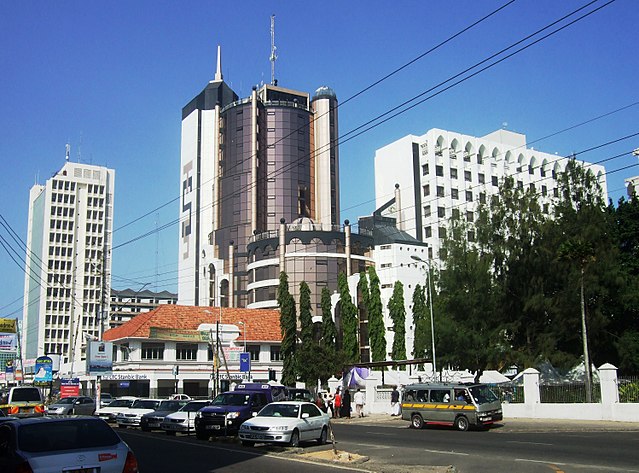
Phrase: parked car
pixel 288 422
pixel 131 417
pixel 105 399
pixel 117 405
pixel 299 394
pixel 72 405
pixel 22 401
pixel 69 444
pixel 152 420
pixel 184 419
pixel 228 410
pixel 180 397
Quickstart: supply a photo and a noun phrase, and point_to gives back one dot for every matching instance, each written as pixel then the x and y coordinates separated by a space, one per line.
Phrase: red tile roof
pixel 263 325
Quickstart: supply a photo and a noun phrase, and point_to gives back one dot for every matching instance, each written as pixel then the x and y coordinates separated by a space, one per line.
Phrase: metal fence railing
pixel 568 393
pixel 628 388
pixel 508 393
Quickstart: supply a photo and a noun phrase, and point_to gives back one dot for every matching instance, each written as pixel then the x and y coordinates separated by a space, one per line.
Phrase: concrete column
pixel 254 160
pixel 608 380
pixel 333 384
pixel 153 388
pixel 282 245
pixel 531 386
pixel 347 249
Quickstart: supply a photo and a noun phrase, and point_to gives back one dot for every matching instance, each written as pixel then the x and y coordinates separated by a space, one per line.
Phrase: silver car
pixel 288 422
pixel 72 405
pixel 55 444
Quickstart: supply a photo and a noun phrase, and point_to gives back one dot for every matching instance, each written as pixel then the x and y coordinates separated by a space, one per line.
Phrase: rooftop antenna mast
pixel 273 49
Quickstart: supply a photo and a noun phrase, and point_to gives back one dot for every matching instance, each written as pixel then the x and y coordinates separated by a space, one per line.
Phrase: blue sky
pixel 112 77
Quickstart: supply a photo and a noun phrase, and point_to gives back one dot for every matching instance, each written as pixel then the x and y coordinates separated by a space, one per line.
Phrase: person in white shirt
pixel 359 400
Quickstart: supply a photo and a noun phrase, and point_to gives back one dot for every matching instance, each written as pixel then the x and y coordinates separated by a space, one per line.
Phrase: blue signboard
pixel 245 362
pixel 43 370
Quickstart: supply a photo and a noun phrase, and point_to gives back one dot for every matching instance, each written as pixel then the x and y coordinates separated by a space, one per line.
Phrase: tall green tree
pixel 376 327
pixel 288 326
pixel 306 318
pixel 349 320
pixel 421 322
pixel 397 312
pixel 328 325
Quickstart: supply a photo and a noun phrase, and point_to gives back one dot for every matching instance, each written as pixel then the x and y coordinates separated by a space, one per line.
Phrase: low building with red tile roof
pixel 152 346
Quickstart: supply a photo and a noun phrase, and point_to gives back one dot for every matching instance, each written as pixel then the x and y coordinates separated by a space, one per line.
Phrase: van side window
pixel 409 396
pixel 422 395
pixel 258 400
pixel 439 395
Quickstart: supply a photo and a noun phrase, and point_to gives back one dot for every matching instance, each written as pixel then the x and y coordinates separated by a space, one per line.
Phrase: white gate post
pixel 608 380
pixel 531 387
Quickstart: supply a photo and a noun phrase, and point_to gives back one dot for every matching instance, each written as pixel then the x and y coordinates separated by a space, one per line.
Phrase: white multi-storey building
pixel 443 172
pixel 68 261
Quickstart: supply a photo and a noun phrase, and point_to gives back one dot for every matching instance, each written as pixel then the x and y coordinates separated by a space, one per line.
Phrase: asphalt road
pixel 392 447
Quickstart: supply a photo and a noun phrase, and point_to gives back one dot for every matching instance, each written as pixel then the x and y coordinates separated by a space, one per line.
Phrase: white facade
pixel 68 261
pixel 442 172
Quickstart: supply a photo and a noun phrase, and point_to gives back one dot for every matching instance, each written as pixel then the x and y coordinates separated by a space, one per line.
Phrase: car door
pixel 85 407
pixel 311 426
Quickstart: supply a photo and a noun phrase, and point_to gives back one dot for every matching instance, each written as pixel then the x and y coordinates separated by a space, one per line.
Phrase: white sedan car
pixel 183 420
pixel 289 422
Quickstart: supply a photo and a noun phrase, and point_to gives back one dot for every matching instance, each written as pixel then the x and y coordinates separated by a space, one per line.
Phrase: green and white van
pixel 453 404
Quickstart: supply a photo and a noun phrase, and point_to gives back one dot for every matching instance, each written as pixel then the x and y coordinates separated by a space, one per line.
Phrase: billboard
pixel 69 387
pixel 7 325
pixel 8 342
pixel 99 358
pixel 43 371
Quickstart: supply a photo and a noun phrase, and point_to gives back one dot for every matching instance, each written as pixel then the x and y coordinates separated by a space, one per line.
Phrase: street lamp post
pixel 432 319
pixel 244 329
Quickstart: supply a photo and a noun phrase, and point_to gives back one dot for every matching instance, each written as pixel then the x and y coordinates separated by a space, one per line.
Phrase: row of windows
pixel 57 319
pixel 60 251
pixel 58 292
pixel 454 193
pixel 60 265
pixel 188 352
pixel 95 188
pixel 62 198
pixel 61 224
pixel 63 185
pixel 60 238
pixel 58 279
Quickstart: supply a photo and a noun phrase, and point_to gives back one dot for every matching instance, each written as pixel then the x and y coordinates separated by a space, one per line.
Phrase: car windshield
pixel 145 404
pixel 232 399
pixel 170 405
pixel 26 394
pixel 121 403
pixel 66 400
pixel 483 394
pixel 194 406
pixel 66 435
pixel 280 410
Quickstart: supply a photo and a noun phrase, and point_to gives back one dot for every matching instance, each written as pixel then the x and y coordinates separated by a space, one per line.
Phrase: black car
pixel 152 420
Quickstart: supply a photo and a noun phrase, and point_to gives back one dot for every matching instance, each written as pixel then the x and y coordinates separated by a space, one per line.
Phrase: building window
pixel 469 196
pixel 532 187
pixel 254 350
pixel 439 171
pixel 426 189
pixel 186 351
pixel 441 212
pixel 152 351
pixel 427 211
pixel 544 191
pixel 428 232
pixel 471 236
pixel 424 169
pixel 276 354
pixel 482 178
pixel 453 173
pixel 495 181
pixel 442 232
pixel 531 170
pixel 469 217
pixel 455 213
pixel 454 194
pixel 467 176
pixel 440 191
pixel 482 197
pixel 520 184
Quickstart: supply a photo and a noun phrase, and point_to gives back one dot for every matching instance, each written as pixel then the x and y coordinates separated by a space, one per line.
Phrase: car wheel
pixel 170 432
pixel 416 421
pixel 323 436
pixel 248 443
pixel 295 439
pixel 462 424
pixel 201 435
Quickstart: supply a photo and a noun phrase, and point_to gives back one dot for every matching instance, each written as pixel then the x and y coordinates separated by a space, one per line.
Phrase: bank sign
pixel 99 358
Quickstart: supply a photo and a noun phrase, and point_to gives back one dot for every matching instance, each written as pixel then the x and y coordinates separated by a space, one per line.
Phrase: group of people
pixel 339 404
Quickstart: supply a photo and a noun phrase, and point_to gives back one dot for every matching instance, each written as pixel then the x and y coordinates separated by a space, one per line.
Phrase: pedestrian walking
pixel 360 400
pixel 337 403
pixel 346 404
pixel 395 405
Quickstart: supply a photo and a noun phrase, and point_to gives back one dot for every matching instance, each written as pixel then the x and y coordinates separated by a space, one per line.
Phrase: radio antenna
pixel 273 57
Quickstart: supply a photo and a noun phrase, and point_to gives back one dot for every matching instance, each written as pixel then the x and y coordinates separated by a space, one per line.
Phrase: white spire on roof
pixel 218 72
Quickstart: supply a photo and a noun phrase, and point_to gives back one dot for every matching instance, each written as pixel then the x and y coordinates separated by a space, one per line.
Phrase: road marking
pixel 529 443
pixel 447 452
pixel 556 468
pixel 391 434
pixel 538 461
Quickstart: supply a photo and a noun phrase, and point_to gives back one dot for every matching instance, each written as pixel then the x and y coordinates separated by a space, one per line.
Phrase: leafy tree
pixel 363 302
pixel 288 326
pixel 376 327
pixel 328 325
pixel 306 319
pixel 421 321
pixel 349 320
pixel 397 312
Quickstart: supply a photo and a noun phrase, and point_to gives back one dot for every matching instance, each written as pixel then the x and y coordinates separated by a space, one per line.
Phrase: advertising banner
pixel 9 371
pixel 99 358
pixel 8 325
pixel 43 371
pixel 8 343
pixel 178 335
pixel 69 387
pixel 245 362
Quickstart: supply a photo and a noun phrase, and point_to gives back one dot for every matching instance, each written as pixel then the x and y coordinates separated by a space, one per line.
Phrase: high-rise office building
pixel 443 173
pixel 68 261
pixel 245 165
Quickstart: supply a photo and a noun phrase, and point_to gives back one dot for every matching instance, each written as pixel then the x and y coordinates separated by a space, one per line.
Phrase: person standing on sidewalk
pixel 346 404
pixel 337 403
pixel 395 405
pixel 359 399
